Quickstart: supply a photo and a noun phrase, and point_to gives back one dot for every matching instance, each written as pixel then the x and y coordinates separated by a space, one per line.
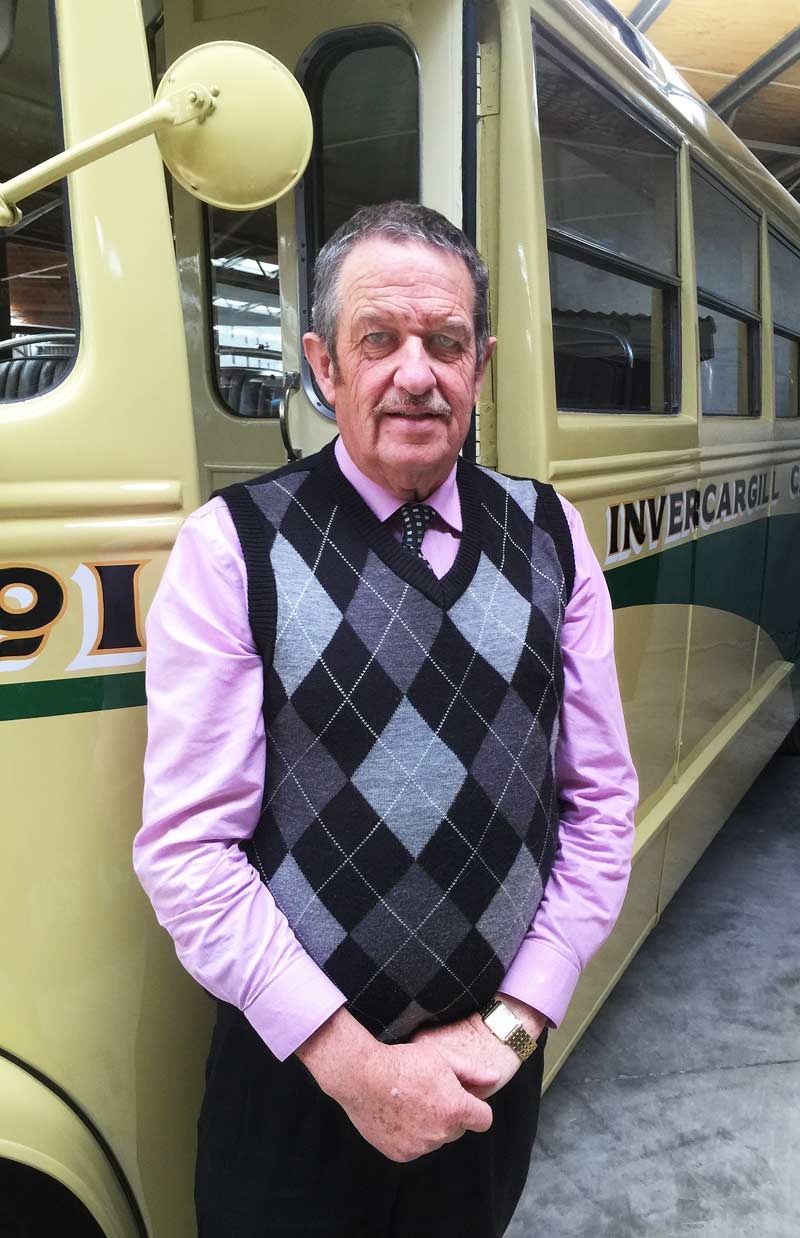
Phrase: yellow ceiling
pixel 722 36
pixel 712 41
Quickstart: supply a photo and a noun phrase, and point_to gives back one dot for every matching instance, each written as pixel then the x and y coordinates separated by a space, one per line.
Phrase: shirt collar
pixel 445 500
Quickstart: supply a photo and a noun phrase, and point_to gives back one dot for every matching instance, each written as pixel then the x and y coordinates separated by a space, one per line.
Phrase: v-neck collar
pixel 444 499
pixel 443 592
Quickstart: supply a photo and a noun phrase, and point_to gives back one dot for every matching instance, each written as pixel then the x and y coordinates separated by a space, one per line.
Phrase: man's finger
pixel 473 1074
pixel 477 1114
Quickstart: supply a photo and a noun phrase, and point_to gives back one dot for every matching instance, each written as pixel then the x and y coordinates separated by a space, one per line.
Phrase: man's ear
pixel 487 356
pixel 321 363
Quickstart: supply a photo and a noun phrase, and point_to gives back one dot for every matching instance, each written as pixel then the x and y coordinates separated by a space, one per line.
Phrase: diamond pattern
pixel 457 692
pixel 386 620
pixel 299 641
pixel 312 922
pixel 493 616
pixel 510 763
pixel 301 767
pixel 347 698
pixel 409 819
pixel 516 900
pixel 410 778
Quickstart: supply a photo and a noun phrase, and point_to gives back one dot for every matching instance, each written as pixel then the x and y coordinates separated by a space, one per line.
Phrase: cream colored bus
pixel 644 274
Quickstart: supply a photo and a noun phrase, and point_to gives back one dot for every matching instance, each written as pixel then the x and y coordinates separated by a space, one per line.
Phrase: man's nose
pixel 413 373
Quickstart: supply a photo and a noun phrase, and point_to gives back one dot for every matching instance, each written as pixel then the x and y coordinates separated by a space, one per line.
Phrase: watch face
pixel 502 1022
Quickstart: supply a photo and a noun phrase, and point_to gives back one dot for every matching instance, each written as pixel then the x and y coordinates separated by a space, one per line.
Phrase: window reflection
pixel 726 258
pixel 37 296
pixel 723 364
pixel 368 133
pixel 607 178
pixel 607 334
pixel 246 311
pixel 610 189
pixel 726 245
pixel 787 371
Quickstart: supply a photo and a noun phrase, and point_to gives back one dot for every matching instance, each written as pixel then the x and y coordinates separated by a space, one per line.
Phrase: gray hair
pixel 397 221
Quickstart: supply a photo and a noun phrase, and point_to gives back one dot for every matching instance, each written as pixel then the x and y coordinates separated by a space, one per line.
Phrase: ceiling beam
pixel 758 75
pixel 770 148
pixel 787 171
pixel 646 12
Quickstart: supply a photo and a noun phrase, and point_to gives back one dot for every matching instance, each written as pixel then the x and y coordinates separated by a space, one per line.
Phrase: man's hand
pixel 405 1100
pixel 470 1041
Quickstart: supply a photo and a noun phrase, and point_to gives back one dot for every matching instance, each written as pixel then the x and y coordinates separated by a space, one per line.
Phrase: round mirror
pixel 255 144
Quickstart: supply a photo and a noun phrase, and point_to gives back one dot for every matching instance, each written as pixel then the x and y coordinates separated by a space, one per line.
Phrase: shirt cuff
pixel 543 979
pixel 294 1006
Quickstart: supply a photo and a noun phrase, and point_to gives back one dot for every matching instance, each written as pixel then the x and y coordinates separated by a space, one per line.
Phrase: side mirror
pixel 232 124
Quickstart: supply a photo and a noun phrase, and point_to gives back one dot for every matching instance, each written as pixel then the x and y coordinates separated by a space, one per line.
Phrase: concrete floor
pixel 678 1113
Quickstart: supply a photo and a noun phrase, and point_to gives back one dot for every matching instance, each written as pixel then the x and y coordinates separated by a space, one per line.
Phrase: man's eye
pixel 377 337
pixel 445 342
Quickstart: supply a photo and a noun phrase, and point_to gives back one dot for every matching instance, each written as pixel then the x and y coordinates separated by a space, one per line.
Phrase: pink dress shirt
pixel 204 773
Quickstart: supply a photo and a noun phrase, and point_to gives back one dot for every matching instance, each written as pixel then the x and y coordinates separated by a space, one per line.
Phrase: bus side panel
pixel 728 573
pixel 638 917
pixel 716 794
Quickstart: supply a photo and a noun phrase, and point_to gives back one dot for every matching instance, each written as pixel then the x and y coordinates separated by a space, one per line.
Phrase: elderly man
pixel 389 800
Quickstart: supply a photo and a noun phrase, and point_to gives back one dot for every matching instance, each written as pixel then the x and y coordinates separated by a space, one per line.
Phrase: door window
pixel 38 305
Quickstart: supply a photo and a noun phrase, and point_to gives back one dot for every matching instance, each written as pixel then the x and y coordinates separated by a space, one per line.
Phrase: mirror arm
pixel 193 102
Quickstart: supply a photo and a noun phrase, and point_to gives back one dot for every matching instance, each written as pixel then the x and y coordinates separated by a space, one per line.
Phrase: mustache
pixel 431 405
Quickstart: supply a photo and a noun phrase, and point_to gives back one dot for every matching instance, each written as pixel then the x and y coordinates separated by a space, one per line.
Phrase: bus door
pixel 384 84
pixel 98 469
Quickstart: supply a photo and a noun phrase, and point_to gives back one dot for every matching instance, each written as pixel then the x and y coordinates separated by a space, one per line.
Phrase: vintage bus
pixel 644 271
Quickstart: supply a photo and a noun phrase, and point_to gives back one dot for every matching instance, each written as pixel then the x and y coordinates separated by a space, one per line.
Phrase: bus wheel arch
pixel 49 1156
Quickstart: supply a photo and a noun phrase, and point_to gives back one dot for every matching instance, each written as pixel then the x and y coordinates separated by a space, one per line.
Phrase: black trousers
pixel 277 1158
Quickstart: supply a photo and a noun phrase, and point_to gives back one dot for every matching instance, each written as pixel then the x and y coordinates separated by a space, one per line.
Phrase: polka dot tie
pixel 416 518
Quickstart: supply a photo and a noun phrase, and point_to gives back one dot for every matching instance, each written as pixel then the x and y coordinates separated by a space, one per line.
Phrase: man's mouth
pixel 414 412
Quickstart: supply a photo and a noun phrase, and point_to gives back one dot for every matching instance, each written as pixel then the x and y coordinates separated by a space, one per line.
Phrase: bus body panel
pixel 102 470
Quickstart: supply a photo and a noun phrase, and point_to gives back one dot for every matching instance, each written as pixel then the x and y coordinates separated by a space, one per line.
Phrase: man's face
pixel 405 379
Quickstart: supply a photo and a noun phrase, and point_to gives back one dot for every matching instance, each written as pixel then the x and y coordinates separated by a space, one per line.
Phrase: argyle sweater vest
pixel 410 814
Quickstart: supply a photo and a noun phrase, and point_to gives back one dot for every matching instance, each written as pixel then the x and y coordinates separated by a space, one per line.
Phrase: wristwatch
pixel 506 1027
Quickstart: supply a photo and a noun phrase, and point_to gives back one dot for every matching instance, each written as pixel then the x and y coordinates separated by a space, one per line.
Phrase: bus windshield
pixel 38 311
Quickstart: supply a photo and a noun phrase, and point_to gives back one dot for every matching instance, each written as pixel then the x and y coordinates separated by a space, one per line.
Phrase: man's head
pixel 400 341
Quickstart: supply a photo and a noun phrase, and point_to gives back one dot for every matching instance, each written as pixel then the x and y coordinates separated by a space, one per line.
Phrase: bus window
pixel 363 89
pixel 38 307
pixel 246 310
pixel 610 188
pixel 364 100
pixel 784 262
pixel 726 259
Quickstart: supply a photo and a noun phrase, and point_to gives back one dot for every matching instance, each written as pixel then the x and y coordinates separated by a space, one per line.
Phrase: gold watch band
pixel 522 1043
pixel 515 1037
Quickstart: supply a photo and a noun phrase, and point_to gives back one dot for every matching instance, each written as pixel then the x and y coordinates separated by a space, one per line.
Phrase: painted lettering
pixel 709 497
pixel 31 602
pixel 675 513
pixel 612 517
pixel 634 525
pixel 754 491
pixel 656 516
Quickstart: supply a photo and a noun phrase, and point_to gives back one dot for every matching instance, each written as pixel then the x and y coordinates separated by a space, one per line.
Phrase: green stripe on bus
pixel 48 698
pixel 752 570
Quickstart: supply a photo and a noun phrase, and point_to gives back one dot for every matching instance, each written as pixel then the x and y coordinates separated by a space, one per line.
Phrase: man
pixel 388 783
